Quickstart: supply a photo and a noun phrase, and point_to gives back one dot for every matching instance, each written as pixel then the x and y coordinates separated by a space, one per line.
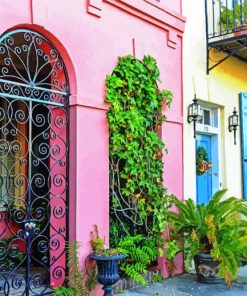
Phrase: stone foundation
pixel 128 283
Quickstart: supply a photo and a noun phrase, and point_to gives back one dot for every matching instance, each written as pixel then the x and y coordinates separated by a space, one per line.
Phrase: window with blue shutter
pixel 243 129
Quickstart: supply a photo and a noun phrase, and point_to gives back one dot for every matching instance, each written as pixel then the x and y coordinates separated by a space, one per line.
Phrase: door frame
pixel 214 133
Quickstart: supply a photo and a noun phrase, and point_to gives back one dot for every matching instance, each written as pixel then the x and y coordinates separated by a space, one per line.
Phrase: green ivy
pixel 172 249
pixel 139 201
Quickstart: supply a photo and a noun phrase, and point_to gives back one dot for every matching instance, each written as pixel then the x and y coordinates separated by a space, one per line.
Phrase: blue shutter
pixel 243 129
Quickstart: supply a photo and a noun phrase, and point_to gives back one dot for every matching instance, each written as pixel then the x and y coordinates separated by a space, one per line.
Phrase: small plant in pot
pixel 234 19
pixel 107 261
pixel 215 235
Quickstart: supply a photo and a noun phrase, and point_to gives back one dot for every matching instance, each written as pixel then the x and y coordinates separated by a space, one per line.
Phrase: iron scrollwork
pixel 34 94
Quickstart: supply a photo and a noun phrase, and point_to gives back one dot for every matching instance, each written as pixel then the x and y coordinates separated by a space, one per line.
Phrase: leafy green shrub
pixel 228 15
pixel 218 228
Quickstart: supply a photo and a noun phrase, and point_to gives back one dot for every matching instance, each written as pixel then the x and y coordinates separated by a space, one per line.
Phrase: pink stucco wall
pixel 173 4
pixel 90 36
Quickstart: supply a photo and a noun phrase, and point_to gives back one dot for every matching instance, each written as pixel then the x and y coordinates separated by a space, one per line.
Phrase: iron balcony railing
pixel 225 17
pixel 226 30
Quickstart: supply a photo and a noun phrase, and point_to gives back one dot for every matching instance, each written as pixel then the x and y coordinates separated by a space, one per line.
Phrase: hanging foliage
pixel 139 201
pixel 202 162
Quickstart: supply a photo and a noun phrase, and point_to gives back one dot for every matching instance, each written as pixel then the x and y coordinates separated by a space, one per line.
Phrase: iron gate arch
pixel 34 120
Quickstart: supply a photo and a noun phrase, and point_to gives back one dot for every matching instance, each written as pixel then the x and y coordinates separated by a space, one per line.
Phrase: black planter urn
pixel 108 273
pixel 207 269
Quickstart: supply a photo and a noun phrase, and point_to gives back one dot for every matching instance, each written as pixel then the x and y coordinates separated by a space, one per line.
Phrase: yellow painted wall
pixel 221 87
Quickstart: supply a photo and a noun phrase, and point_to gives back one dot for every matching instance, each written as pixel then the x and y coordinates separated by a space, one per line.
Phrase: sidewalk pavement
pixel 187 285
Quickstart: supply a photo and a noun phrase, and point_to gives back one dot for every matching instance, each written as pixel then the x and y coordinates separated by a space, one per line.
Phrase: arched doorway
pixel 34 101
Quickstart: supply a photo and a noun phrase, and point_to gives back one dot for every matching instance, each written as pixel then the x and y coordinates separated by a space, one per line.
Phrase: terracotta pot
pixel 243 30
pixel 207 269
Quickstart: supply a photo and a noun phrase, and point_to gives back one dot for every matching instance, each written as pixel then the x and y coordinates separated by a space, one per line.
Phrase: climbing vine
pixel 138 199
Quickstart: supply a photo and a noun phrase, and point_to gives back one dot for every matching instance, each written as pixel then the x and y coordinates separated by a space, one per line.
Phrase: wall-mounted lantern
pixel 194 114
pixel 233 123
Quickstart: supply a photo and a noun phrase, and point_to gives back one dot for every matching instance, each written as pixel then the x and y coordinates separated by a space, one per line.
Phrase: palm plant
pixel 218 228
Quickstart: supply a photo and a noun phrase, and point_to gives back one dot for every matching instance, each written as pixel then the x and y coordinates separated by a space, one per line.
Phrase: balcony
pixel 226 30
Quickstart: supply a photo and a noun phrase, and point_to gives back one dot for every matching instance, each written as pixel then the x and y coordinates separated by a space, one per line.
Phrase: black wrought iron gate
pixel 34 94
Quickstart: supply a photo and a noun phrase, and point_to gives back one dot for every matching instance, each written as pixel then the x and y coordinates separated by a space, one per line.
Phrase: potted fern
pixel 107 261
pixel 215 235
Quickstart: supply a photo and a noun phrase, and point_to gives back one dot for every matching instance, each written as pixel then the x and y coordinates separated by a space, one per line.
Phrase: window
pixel 209 116
pixel 206 116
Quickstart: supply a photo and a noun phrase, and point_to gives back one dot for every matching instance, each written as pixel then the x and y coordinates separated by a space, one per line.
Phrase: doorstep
pixel 187 285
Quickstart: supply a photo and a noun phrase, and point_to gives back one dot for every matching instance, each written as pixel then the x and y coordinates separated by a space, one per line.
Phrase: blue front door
pixel 204 181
